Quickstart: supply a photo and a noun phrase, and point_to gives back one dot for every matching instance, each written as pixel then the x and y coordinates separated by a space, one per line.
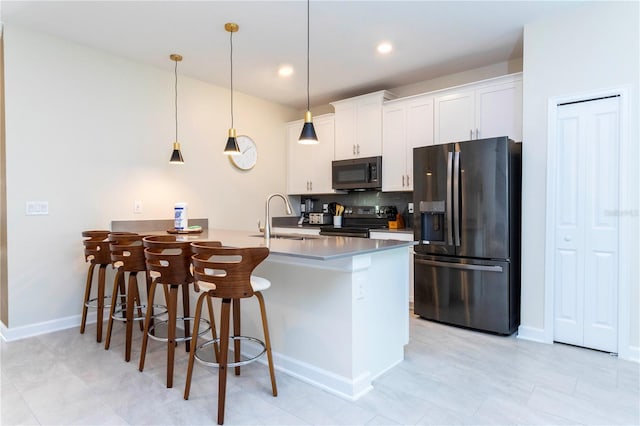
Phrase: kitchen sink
pixel 299 237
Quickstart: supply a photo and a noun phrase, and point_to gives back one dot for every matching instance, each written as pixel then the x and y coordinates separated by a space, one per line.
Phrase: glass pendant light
pixel 176 155
pixel 308 135
pixel 231 148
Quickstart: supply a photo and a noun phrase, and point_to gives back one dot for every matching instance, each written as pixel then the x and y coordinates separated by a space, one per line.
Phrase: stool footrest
pixel 161 326
pixel 121 309
pixel 93 303
pixel 203 361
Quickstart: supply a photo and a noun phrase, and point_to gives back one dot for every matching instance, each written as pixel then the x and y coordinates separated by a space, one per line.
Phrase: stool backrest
pixel 169 257
pixel 228 268
pixel 127 251
pixel 96 247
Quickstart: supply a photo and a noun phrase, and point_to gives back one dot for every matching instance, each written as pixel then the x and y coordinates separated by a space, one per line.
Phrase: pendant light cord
pixel 308 55
pixel 175 73
pixel 231 61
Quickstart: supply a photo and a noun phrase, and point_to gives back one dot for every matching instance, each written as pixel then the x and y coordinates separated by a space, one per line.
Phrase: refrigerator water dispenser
pixel 432 221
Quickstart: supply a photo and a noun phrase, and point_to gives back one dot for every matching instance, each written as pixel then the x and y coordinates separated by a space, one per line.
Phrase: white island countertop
pixel 306 246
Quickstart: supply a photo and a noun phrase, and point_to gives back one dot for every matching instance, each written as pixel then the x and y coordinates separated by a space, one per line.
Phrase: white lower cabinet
pixel 309 166
pixel 401 236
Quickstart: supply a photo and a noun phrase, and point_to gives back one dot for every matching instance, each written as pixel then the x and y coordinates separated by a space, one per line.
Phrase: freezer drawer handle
pixel 460 266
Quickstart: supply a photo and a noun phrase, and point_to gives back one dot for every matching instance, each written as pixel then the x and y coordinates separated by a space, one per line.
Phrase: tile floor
pixel 449 376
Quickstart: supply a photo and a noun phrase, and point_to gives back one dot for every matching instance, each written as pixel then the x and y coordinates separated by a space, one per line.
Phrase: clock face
pixel 248 153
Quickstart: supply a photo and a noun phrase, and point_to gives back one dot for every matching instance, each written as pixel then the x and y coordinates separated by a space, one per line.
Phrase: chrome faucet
pixel 267 219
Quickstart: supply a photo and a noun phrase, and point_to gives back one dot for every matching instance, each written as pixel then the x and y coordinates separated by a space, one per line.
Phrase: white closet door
pixel 586 237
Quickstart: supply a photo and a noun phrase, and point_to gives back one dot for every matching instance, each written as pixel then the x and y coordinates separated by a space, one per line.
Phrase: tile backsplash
pixel 365 198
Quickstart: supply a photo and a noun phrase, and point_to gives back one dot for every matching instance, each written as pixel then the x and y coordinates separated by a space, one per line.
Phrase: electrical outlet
pixel 137 207
pixel 410 207
pixel 359 290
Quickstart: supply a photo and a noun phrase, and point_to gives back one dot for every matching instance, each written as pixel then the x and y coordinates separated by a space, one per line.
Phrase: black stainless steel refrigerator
pixel 467 223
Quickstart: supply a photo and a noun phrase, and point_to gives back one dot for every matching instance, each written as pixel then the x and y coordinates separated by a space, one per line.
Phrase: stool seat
pixel 257 284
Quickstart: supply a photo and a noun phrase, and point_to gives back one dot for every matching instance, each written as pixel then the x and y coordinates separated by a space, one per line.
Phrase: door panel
pixel 430 166
pixel 484 203
pixel 587 223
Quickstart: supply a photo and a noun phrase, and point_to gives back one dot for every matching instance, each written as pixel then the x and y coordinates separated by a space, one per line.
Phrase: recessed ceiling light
pixel 385 47
pixel 285 71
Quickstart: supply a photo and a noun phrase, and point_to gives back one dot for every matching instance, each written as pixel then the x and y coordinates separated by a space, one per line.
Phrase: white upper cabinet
pixel 358 126
pixel 309 166
pixel 482 110
pixel 407 123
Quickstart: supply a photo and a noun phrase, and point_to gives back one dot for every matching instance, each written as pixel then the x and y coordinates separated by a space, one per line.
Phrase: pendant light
pixel 308 135
pixel 231 148
pixel 176 155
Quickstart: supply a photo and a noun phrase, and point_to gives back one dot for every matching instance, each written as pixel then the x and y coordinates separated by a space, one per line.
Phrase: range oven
pixel 357 221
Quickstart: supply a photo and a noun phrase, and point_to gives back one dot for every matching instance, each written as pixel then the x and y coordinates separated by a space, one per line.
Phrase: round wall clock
pixel 248 153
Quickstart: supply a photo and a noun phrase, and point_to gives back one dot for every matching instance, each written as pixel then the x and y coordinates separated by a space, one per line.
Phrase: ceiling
pixel 430 38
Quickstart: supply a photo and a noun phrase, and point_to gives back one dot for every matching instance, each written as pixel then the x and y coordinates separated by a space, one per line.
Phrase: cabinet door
pixel 345 130
pixel 454 117
pixel 320 156
pixel 394 151
pixel 419 132
pixel 499 111
pixel 369 127
pixel 297 161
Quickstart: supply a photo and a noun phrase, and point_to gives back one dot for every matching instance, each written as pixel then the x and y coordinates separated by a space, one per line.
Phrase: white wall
pixel 595 47
pixel 90 133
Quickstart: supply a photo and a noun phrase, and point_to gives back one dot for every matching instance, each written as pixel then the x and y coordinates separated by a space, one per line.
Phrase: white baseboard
pixel 532 333
pixel 343 387
pixel 631 354
pixel 17 333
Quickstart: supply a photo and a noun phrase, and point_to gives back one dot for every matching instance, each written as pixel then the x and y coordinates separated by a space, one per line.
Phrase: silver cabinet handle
pixel 311 185
pixel 354 149
pixel 465 266
pixel 477 134
pixel 408 184
pixel 358 150
pixel 470 133
pixel 403 181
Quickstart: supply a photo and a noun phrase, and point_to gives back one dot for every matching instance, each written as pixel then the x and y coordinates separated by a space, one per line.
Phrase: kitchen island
pixel 338 307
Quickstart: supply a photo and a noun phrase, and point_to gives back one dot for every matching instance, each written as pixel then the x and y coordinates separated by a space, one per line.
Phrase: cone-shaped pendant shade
pixel 176 155
pixel 232 148
pixel 308 135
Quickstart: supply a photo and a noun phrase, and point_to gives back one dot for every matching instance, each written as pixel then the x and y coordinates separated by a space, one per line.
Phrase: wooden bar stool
pixel 169 262
pixel 96 252
pixel 226 273
pixel 127 254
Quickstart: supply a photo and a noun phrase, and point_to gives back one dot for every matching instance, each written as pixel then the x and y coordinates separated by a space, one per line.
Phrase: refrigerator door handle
pixel 456 199
pixel 465 266
pixel 449 207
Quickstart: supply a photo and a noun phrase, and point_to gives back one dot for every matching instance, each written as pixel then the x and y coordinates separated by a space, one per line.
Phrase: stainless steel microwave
pixel 357 174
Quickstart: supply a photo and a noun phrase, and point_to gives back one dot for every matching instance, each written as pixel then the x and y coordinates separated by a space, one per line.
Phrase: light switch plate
pixel 410 207
pixel 37 208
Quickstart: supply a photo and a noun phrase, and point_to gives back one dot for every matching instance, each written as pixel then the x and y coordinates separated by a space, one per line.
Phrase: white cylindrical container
pixel 337 221
pixel 180 216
